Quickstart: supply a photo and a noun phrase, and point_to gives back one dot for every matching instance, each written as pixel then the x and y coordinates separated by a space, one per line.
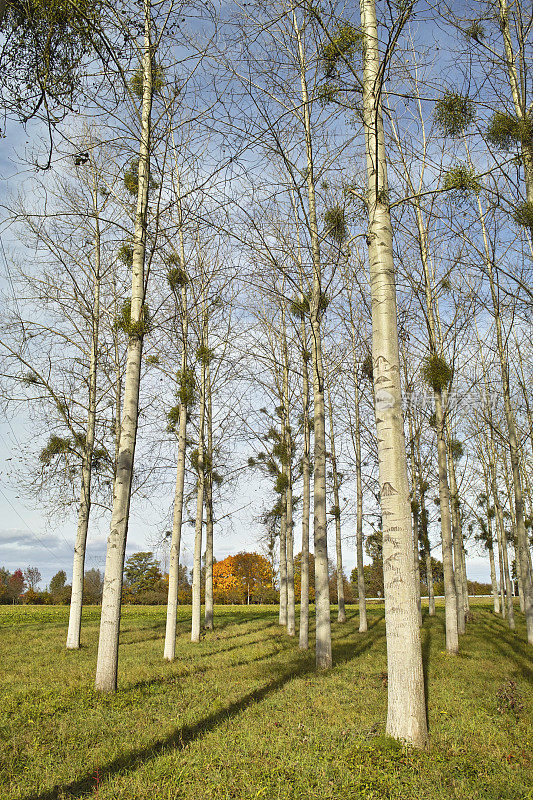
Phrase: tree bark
pixel 341 616
pixel 177 518
pixel 287 440
pixel 197 557
pixel 78 568
pixel 361 593
pixel 209 605
pixel 306 500
pixel 406 716
pixel 322 606
pixel 107 661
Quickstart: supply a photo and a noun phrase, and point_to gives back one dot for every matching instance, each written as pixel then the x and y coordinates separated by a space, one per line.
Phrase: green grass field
pixel 244 715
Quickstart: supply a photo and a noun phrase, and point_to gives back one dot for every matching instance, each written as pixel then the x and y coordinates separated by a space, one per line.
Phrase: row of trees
pixel 222 289
pixel 22 586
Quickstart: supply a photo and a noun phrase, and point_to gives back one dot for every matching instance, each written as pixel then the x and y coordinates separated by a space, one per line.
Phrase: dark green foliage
pixel 216 477
pixel 252 462
pixel 523 214
pixel 306 356
pixel 335 222
pixel 301 307
pixel 457 449
pixel 343 44
pixel 56 446
pixel 132 329
pixel 436 372
pixel 328 93
pixel 282 483
pixel 335 512
pixel 454 113
pixel 461 181
pixel 131 178
pixel 125 254
pixel 415 506
pixel 58 581
pixel 158 80
pixel 177 277
pixel 367 367
pixel 187 387
pixel 99 458
pixel 142 572
pixel 507 131
pixel 173 417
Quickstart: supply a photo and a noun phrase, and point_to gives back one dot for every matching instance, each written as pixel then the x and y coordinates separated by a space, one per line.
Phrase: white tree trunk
pixel 287 469
pixel 209 606
pixel 341 616
pixel 197 557
pixel 177 517
pixel 406 715
pixel 283 562
pixel 107 662
pixel 306 502
pixel 322 606
pixel 78 568
pixel 363 623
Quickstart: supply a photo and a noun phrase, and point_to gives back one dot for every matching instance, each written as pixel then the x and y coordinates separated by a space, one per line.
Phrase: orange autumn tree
pixel 243 578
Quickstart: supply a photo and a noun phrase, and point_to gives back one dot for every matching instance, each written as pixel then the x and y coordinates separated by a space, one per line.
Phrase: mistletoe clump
pixel 523 214
pixel 507 130
pixel 125 254
pixel 343 44
pixel 158 80
pixel 367 368
pixel 457 449
pixel 55 446
pixel 461 181
pixel 131 178
pixel 437 373
pixel 336 224
pixel 454 113
pixel 134 330
pixel 176 275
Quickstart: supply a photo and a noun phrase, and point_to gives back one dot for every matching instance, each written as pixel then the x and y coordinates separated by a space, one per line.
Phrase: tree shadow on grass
pixel 181 737
pixel 508 644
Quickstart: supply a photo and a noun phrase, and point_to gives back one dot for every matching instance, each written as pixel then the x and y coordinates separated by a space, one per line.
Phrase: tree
pixel 32 576
pixel 245 576
pixel 142 571
pixel 58 582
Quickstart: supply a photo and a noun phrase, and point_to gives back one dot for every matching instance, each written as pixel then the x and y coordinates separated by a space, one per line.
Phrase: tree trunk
pixel 209 605
pixel 363 623
pixel 78 568
pixel 341 617
pixel 457 536
pixel 197 557
pixel 287 440
pixel 322 606
pixel 406 716
pixel 283 562
pixel 107 662
pixel 306 502
pixel 177 518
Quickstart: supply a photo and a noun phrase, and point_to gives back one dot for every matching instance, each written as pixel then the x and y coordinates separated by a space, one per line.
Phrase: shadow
pixel 181 737
pixel 509 645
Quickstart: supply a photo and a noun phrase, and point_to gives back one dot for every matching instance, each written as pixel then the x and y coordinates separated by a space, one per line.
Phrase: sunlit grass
pixel 244 715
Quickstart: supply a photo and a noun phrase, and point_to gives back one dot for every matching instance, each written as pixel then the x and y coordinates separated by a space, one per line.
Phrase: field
pixel 244 715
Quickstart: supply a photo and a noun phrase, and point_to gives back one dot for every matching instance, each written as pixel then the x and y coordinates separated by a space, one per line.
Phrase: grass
pixel 244 714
